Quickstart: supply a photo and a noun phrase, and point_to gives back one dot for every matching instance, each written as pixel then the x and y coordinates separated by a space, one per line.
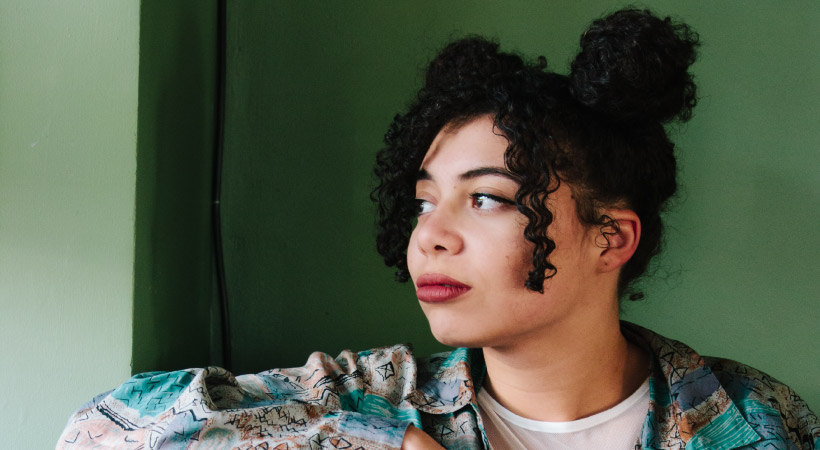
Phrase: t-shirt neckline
pixel 585 423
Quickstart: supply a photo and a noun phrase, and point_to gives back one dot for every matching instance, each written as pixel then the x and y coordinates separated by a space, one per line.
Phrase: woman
pixel 523 205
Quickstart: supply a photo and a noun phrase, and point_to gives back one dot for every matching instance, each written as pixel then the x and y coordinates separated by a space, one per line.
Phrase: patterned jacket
pixel 366 400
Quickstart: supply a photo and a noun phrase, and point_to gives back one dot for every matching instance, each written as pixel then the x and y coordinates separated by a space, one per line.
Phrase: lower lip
pixel 439 293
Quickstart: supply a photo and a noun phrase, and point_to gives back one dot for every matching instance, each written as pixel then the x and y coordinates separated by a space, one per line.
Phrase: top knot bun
pixel 634 66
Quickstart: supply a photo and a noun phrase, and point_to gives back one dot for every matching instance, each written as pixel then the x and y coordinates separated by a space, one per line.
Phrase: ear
pixel 618 239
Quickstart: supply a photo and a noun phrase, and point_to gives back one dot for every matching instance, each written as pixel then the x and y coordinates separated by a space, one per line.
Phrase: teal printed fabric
pixel 367 400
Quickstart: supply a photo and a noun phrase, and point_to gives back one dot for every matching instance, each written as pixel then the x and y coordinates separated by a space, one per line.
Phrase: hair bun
pixel 634 66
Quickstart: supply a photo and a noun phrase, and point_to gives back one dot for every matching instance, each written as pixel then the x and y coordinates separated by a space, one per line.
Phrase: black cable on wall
pixel 216 213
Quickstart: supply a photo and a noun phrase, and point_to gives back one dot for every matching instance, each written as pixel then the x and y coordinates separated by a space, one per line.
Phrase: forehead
pixel 475 143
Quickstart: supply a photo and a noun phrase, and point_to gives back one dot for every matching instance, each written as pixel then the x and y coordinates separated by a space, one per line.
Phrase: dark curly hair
pixel 600 129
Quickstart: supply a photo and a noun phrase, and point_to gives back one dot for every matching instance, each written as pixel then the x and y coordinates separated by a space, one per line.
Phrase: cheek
pixel 517 266
pixel 505 263
pixel 518 255
pixel 412 254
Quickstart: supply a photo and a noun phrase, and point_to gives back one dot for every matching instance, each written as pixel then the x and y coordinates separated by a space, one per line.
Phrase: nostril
pixel 440 247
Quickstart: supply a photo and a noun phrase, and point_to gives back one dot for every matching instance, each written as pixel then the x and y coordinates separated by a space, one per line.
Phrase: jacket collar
pixel 445 381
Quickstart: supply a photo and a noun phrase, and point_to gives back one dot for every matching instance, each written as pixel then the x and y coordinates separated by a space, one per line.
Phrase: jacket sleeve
pixel 301 408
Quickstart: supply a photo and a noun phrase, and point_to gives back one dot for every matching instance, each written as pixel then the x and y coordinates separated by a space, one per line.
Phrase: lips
pixel 437 288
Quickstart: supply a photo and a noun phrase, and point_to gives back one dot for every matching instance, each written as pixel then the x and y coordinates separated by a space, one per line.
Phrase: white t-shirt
pixel 614 429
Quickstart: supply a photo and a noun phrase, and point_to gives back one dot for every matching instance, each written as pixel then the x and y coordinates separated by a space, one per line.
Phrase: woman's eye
pixel 489 201
pixel 424 206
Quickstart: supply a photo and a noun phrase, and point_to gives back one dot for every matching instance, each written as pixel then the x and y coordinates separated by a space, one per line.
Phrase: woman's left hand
pixel 415 439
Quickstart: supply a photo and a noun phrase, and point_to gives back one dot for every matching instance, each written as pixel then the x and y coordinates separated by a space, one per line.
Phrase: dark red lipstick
pixel 437 288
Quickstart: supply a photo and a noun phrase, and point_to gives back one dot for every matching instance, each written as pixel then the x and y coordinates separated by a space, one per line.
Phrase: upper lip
pixel 437 279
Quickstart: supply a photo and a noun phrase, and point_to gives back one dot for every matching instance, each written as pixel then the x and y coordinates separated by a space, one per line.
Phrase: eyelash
pixel 492 197
pixel 420 203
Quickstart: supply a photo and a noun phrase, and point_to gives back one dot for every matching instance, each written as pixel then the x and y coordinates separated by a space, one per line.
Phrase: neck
pixel 570 371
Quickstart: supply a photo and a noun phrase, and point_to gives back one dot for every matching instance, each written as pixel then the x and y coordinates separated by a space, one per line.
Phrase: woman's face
pixel 468 257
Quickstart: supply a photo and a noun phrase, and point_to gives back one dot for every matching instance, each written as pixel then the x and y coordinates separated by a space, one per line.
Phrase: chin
pixel 457 338
pixel 449 341
pixel 472 336
pixel 455 330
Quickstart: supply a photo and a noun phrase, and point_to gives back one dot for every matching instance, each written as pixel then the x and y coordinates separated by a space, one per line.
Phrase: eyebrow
pixel 474 173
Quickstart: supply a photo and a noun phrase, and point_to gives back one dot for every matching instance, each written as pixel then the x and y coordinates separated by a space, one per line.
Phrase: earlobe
pixel 618 239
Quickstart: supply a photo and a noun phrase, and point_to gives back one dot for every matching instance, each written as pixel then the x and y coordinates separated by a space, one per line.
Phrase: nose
pixel 437 233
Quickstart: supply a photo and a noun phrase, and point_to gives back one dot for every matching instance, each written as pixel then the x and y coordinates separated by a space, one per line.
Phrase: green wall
pixel 68 123
pixel 309 95
pixel 312 88
pixel 173 282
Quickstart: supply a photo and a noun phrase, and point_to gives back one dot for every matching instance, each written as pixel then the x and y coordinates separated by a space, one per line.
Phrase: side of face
pixel 470 235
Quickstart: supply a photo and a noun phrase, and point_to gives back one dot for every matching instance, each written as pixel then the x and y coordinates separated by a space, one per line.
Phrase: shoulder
pixel 766 403
pixel 747 382
pixel 130 412
pixel 356 394
pixel 705 394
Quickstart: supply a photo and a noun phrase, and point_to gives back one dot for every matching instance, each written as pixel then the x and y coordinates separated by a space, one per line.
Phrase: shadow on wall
pixel 173 283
